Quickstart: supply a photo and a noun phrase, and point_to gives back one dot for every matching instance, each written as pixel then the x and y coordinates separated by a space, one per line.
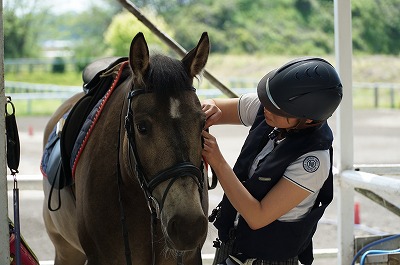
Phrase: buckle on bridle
pixel 154 206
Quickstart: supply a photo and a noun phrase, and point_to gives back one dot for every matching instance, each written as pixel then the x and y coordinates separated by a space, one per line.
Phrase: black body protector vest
pixel 278 240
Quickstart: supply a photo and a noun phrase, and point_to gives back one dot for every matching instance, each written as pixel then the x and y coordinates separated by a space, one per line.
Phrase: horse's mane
pixel 167 75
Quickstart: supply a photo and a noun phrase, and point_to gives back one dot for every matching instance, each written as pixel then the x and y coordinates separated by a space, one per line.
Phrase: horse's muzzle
pixel 187 233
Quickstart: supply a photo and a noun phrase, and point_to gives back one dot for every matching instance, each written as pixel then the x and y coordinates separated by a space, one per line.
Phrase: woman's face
pixel 280 121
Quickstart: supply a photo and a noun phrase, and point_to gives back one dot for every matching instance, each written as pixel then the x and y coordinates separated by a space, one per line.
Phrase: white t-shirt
pixel 309 171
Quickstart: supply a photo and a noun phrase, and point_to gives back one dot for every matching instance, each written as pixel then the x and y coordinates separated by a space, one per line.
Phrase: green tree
pixel 243 26
pixel 292 27
pixel 376 26
pixel 85 28
pixel 286 26
pixel 125 26
pixel 22 22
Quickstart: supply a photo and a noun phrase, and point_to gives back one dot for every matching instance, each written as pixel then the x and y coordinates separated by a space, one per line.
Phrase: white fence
pixel 29 91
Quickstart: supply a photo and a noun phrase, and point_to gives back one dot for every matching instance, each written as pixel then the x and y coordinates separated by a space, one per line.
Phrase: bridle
pixel 173 173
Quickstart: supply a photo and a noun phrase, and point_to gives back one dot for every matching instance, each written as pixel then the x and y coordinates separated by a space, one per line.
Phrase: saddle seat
pixel 92 71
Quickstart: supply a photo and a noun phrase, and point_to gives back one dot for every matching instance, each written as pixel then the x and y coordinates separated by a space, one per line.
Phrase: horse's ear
pixel 139 56
pixel 196 59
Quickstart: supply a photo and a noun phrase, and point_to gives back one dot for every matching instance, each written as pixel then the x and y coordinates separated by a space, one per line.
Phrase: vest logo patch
pixel 311 164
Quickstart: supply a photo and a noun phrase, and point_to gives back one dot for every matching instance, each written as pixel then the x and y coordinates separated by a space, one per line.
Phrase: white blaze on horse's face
pixel 174 108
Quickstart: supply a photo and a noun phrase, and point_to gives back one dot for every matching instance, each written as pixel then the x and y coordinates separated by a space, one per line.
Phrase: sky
pixel 60 6
pixel 56 6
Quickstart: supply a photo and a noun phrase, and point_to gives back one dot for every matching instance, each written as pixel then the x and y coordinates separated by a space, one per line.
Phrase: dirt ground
pixel 376 140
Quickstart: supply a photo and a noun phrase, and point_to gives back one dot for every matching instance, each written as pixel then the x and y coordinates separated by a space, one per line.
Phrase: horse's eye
pixel 141 127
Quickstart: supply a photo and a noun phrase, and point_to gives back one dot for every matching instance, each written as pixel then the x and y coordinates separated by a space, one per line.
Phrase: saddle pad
pixel 51 166
pixel 53 138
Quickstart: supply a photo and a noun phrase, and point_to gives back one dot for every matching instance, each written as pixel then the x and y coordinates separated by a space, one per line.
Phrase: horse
pixel 139 194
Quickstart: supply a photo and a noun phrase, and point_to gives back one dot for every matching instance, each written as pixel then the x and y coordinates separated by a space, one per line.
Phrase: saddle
pixel 97 79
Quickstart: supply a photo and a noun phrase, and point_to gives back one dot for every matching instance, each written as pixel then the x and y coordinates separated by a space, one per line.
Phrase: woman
pixel 282 181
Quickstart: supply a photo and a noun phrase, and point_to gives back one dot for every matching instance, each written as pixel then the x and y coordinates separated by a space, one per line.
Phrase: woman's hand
pixel 213 113
pixel 211 151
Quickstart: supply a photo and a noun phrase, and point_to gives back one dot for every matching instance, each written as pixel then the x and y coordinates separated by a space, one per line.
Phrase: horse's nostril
pixel 187 234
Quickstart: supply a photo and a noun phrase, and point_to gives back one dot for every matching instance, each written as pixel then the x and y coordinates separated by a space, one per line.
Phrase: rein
pixel 173 173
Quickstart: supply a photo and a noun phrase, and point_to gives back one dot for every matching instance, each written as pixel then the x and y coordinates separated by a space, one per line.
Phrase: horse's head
pixel 164 125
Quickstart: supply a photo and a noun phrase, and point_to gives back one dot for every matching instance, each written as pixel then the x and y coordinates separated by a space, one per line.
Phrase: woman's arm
pixel 284 196
pixel 221 111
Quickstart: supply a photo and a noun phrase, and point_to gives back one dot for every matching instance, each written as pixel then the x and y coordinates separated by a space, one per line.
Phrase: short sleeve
pixel 248 108
pixel 310 170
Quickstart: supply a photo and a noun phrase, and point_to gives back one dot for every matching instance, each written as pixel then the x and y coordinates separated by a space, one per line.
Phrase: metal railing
pixel 351 180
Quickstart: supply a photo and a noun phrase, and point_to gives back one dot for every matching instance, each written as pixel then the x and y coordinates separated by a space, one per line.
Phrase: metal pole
pixel 17 224
pixel 344 149
pixel 173 45
pixel 4 233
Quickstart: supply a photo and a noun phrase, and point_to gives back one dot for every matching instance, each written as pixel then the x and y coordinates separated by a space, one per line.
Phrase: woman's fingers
pixel 207 140
pixel 213 114
pixel 208 137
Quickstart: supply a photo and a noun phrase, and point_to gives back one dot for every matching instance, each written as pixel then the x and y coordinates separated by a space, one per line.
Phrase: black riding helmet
pixel 305 88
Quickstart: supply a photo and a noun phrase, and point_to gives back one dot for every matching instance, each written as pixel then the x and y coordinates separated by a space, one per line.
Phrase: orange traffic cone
pixel 30 130
pixel 356 213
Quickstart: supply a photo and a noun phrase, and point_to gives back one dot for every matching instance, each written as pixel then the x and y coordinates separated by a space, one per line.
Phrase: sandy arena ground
pixel 376 140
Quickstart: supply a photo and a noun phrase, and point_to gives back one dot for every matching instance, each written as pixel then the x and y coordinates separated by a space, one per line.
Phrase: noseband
pixel 173 173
